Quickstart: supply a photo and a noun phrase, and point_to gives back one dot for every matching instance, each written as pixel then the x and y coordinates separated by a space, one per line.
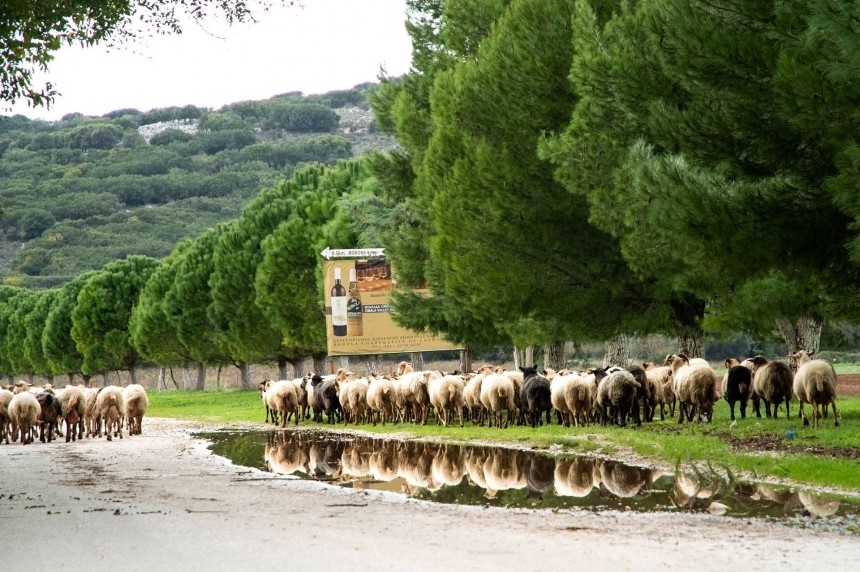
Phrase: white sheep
pixel 353 398
pixel 772 382
pixel 664 394
pixel 815 383
pixel 281 399
pixel 73 405
pixel 694 385
pixel 136 404
pixel 498 394
pixel 24 412
pixel 472 395
pixel 558 396
pixel 446 394
pixel 5 398
pixel 92 422
pixel 412 392
pixel 616 394
pixel 579 396
pixel 110 407
pixel 381 399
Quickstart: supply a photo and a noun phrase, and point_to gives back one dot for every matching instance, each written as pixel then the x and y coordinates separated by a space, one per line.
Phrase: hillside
pixel 81 192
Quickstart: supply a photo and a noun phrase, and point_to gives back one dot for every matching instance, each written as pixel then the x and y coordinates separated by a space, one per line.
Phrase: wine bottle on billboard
pixel 338 305
pixel 354 319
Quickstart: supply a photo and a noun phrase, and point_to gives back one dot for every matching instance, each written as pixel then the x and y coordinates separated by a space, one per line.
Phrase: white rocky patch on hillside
pixel 186 125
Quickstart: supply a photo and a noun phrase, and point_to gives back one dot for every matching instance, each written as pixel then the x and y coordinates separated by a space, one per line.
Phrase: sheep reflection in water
pixel 449 465
pixel 793 501
pixel 576 477
pixel 285 458
pixel 625 481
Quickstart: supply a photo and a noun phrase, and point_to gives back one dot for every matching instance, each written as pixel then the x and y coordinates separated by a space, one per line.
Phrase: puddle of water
pixel 495 476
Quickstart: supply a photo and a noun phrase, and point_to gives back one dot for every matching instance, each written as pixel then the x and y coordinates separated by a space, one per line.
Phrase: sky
pixel 321 46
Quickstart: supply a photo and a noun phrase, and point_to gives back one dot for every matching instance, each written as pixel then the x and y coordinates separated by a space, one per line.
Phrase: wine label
pixel 338 310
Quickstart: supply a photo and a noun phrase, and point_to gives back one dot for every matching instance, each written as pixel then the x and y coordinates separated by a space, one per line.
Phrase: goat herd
pixel 26 411
pixel 601 395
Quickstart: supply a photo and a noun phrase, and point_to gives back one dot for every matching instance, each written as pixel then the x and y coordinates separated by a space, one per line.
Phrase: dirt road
pixel 161 501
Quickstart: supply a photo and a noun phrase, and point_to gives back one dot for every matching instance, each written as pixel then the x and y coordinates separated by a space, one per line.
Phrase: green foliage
pixel 151 333
pixel 81 192
pixel 100 319
pixel 188 298
pixel 169 136
pixel 289 268
pixel 58 347
pixel 301 118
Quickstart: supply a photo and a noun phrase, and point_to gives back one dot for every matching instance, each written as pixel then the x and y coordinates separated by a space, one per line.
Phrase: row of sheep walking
pixel 757 379
pixel 606 395
pixel 30 412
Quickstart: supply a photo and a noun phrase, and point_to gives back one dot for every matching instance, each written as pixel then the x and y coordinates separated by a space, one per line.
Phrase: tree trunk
pixel 201 377
pixel 691 344
pixel 132 374
pixel 806 335
pixel 343 362
pixel 371 362
pixel 173 379
pixel 283 368
pixel 218 377
pixel 186 377
pixel 688 312
pixel 71 378
pixel 553 356
pixel 417 361
pixel 245 375
pixel 617 351
pixel 466 360
pixel 298 370
pixel 161 382
pixel 319 364
pixel 524 357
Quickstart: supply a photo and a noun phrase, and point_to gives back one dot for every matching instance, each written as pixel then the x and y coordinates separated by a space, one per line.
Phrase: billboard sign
pixel 358 313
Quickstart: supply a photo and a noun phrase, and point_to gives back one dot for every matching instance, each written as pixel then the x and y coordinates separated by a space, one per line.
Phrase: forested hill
pixel 79 193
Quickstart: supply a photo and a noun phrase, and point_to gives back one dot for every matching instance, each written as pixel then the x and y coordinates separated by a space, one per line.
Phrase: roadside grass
pixel 777 448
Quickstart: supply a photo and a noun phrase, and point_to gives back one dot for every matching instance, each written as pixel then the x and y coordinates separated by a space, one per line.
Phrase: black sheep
pixel 535 397
pixel 644 397
pixel 326 394
pixel 738 384
pixel 51 412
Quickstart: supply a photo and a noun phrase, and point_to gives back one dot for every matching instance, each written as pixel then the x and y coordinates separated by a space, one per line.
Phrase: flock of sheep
pixel 599 395
pixel 30 412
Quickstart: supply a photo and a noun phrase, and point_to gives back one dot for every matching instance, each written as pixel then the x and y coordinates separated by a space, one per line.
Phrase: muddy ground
pixel 162 501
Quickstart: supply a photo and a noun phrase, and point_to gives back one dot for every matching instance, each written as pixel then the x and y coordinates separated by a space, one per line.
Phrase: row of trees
pixel 587 168
pixel 569 170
